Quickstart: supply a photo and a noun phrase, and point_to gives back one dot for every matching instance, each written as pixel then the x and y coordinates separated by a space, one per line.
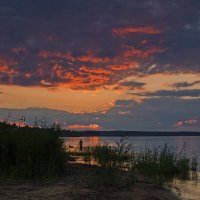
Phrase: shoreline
pixel 80 185
pixel 89 133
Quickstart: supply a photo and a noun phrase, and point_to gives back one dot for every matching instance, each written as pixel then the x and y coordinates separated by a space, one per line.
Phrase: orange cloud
pixel 4 69
pixel 84 127
pixel 127 30
pixel 83 77
pixel 91 58
pixel 91 82
pixel 133 52
pixel 46 54
pixel 90 78
pixel 19 123
pixel 7 70
pixel 144 41
pixel 56 71
pixel 28 75
pixel 88 57
pixel 126 66
pixel 95 70
pixel 88 71
pixel 107 72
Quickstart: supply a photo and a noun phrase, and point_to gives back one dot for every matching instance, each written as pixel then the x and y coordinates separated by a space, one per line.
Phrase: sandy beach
pixel 79 185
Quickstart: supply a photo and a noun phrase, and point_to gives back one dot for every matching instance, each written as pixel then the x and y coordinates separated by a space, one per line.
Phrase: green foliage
pixel 31 153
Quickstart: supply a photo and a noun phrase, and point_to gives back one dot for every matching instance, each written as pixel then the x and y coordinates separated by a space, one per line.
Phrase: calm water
pixel 139 143
pixel 190 190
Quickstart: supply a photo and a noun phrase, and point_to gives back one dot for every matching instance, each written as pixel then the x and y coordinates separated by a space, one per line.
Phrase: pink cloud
pixel 189 122
pixel 143 29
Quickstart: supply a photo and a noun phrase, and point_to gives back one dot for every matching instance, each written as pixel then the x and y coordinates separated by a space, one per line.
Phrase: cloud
pixel 128 30
pixel 35 41
pixel 88 57
pixel 131 85
pixel 93 44
pixel 171 93
pixel 133 52
pixel 153 114
pixel 7 73
pixel 184 84
pixel 84 127
pixel 189 122
pixel 149 115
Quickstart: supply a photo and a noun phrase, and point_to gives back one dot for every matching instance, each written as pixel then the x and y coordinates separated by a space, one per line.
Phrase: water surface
pixel 192 143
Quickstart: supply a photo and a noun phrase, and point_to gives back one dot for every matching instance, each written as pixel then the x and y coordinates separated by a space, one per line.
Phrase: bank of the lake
pixel 80 184
pixel 36 163
pixel 188 190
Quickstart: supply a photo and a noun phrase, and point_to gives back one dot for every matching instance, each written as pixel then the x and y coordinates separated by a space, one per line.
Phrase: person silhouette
pixel 81 145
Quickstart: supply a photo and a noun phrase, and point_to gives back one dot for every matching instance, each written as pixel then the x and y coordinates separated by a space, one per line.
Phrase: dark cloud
pixel 184 84
pixel 131 85
pixel 97 34
pixel 171 93
pixel 150 115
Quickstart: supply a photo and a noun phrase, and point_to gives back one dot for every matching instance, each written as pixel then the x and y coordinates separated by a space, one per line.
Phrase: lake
pixel 190 190
pixel 192 143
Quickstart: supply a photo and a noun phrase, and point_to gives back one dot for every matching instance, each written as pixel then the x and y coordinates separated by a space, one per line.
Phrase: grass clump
pixel 31 153
pixel 163 164
pixel 115 157
pixel 114 163
pixel 120 166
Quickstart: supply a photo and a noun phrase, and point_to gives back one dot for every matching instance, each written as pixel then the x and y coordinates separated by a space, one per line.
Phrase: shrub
pixel 163 164
pixel 114 161
pixel 31 153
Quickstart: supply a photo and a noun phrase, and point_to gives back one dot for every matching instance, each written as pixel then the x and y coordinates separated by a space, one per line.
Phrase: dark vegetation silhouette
pixel 159 165
pixel 38 152
pixel 31 152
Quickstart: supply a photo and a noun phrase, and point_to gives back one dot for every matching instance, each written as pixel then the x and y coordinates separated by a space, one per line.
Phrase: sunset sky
pixel 101 64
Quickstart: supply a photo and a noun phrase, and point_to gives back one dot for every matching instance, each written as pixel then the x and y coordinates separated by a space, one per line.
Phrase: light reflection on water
pixel 139 143
pixel 190 190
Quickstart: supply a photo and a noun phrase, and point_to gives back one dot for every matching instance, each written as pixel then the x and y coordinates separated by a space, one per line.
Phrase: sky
pixel 101 64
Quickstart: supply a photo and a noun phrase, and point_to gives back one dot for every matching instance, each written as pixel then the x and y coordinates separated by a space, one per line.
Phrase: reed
pixel 163 164
pixel 31 153
pixel 158 165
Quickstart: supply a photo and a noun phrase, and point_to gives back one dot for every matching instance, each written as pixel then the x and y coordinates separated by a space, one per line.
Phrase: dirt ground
pixel 77 186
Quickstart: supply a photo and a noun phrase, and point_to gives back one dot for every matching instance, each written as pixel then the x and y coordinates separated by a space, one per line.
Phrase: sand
pixel 78 186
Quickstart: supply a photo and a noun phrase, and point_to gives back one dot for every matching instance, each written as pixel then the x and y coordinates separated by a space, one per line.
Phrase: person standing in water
pixel 81 145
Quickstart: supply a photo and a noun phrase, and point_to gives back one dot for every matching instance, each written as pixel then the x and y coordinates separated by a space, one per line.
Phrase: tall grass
pixel 158 165
pixel 31 153
pixel 163 164
pixel 116 157
pixel 114 162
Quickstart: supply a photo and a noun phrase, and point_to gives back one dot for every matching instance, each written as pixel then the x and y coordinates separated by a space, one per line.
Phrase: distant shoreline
pixel 66 133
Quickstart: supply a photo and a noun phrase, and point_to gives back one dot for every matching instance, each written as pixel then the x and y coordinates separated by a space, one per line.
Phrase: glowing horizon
pixel 125 62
